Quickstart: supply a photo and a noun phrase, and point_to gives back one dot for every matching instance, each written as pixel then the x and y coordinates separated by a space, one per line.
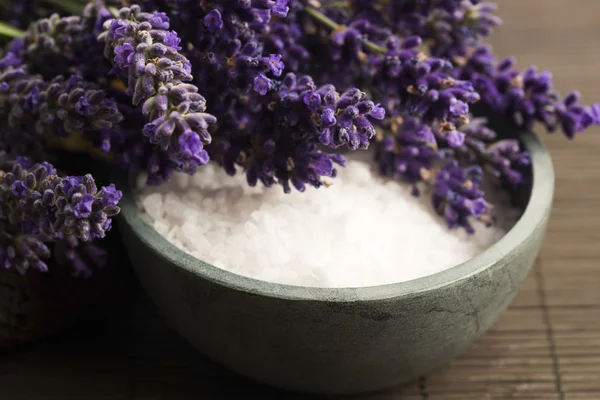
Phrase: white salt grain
pixel 153 205
pixel 362 231
pixel 161 226
pixel 175 208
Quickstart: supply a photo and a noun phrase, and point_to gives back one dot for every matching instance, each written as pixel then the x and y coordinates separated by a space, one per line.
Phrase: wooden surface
pixel 547 346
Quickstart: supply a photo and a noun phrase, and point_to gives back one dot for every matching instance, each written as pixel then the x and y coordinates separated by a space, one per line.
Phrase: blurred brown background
pixel 547 346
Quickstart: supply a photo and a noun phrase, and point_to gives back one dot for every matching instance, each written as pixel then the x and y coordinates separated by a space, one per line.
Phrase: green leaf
pixel 10 31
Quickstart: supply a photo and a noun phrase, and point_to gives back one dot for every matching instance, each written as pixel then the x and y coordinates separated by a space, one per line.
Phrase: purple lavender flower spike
pixel 50 205
pixel 157 74
pixel 50 42
pixel 283 148
pixel 241 54
pixel 525 96
pixel 65 45
pixel 38 208
pixel 477 137
pixel 410 154
pixel 450 27
pixel 22 251
pixel 456 195
pixel 31 108
pixel 411 82
pixel 337 120
pixel 213 21
pixel 284 39
pixel 233 42
pixel 573 117
pixel 504 161
pixel 81 256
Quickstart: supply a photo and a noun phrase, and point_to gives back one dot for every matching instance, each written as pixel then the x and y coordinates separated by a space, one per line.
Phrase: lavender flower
pixel 37 208
pixel 51 43
pixel 503 159
pixel 31 108
pixel 133 150
pixel 526 96
pixel 21 251
pixel 65 45
pixel 141 45
pixel 282 78
pixel 457 28
pixel 225 20
pixel 298 118
pixel 456 195
pixel 269 123
pixel 81 256
pixel 477 137
pixel 285 162
pixel 228 49
pixel 410 154
pixel 335 120
pixel 404 79
pixel 21 14
pixel 46 204
pixel 450 27
pixel 284 39
pixel 422 86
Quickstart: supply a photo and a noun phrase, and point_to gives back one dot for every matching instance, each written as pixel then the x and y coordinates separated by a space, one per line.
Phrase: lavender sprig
pixel 404 79
pixel 140 45
pixel 410 154
pixel 83 257
pixel 37 208
pixel 270 126
pixel 32 108
pixel 422 86
pixel 228 43
pixel 44 203
pixel 456 195
pixel 290 82
pixel 285 39
pixel 21 14
pixel 21 251
pixel 336 120
pixel 526 96
pixel 298 117
pixel 503 159
pixel 224 24
pixel 449 27
pixel 51 45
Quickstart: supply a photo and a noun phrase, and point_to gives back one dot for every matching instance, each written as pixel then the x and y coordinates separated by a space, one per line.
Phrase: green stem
pixel 328 22
pixel 10 31
pixel 337 4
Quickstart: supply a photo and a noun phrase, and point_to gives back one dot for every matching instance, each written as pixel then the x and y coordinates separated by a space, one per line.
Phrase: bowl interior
pixel 535 198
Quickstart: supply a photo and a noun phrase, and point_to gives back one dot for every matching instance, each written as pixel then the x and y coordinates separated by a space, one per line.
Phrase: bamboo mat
pixel 545 347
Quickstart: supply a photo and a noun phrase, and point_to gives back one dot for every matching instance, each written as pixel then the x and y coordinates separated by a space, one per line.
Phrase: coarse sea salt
pixel 363 230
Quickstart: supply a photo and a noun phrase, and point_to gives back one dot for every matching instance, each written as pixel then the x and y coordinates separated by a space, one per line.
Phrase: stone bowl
pixel 339 341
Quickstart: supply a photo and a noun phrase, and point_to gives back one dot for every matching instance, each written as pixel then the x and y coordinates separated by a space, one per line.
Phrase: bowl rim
pixel 532 219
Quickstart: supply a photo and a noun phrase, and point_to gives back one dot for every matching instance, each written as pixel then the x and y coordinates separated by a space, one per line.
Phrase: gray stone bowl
pixel 338 341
